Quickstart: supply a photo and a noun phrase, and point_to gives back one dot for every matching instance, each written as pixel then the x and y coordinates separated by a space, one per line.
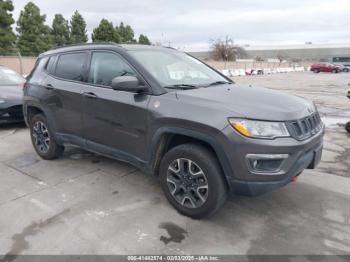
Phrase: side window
pixel 106 66
pixel 36 74
pixel 50 65
pixel 71 66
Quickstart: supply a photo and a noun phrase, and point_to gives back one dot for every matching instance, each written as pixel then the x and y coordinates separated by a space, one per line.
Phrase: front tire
pixel 192 180
pixel 42 138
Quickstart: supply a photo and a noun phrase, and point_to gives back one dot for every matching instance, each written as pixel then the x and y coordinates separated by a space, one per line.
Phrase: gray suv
pixel 173 116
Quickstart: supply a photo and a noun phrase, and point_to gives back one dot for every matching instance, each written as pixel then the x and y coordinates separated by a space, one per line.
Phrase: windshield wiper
pixel 218 83
pixel 181 86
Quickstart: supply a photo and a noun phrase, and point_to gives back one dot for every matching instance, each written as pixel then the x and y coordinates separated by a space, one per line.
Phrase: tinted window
pixel 71 66
pixel 50 65
pixel 106 66
pixel 36 74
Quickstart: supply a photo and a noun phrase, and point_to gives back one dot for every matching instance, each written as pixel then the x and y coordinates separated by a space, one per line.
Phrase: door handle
pixel 49 87
pixel 89 95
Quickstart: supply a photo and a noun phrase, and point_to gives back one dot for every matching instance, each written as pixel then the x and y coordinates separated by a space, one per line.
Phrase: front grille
pixel 306 127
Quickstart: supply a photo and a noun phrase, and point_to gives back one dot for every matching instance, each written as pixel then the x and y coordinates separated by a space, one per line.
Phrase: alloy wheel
pixel 187 183
pixel 41 137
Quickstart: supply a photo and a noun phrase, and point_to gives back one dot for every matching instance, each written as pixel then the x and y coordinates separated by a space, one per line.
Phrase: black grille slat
pixel 306 127
pixel 297 128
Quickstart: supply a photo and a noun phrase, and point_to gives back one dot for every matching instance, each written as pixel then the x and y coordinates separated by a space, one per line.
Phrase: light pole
pixel 228 44
pixel 20 62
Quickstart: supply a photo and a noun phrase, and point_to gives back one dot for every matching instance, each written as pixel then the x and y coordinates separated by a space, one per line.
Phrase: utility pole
pixel 20 62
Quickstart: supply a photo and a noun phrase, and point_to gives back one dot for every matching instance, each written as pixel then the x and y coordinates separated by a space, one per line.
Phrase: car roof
pixel 91 46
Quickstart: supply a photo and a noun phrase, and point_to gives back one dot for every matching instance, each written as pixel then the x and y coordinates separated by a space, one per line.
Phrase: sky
pixel 191 25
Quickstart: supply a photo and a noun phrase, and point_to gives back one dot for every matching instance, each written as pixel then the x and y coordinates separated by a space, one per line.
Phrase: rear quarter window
pixel 36 74
pixel 71 66
pixel 50 65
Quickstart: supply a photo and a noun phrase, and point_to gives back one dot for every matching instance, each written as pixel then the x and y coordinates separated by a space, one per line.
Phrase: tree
pixel 223 49
pixel 241 53
pixel 78 29
pixel 34 36
pixel 143 40
pixel 281 57
pixel 259 59
pixel 60 30
pixel 7 37
pixel 105 32
pixel 126 33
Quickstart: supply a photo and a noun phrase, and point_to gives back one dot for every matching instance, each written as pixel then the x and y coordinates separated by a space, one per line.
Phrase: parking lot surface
pixel 87 204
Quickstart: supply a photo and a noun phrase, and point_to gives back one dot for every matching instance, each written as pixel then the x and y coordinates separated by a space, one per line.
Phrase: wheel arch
pixel 31 109
pixel 169 137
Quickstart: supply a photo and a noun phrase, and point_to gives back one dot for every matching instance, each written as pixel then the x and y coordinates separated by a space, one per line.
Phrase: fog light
pixel 265 163
pixel 254 163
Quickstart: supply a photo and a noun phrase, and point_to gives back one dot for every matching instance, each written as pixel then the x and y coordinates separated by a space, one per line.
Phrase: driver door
pixel 115 122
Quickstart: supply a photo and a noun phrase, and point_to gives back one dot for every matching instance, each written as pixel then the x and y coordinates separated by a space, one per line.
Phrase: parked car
pixel 173 116
pixel 325 67
pixel 11 95
pixel 346 68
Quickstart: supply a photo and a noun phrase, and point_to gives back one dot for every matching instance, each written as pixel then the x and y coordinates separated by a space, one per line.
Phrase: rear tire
pixel 192 180
pixel 334 71
pixel 316 71
pixel 42 138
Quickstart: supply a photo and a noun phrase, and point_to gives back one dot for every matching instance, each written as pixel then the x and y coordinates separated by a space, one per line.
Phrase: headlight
pixel 259 129
pixel 2 101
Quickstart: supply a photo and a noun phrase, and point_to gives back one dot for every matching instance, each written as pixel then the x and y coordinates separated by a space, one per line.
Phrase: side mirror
pixel 128 84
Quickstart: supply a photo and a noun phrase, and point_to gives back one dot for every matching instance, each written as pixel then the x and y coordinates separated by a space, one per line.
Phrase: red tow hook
pixel 295 179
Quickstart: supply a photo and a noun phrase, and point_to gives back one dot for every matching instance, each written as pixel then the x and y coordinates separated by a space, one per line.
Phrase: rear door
pixel 66 79
pixel 115 122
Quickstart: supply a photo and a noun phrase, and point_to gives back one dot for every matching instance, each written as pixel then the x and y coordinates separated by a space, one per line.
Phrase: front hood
pixel 250 102
pixel 11 95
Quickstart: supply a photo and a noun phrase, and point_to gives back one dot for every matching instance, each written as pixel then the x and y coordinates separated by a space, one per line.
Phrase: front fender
pixel 208 139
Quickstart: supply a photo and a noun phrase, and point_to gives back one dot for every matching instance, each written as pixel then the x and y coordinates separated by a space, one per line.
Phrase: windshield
pixel 10 77
pixel 172 68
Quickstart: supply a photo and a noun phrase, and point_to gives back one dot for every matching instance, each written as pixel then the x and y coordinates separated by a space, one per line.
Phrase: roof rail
pixel 85 44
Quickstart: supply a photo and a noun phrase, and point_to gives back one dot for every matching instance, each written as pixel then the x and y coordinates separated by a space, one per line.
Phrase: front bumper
pixel 244 181
pixel 13 114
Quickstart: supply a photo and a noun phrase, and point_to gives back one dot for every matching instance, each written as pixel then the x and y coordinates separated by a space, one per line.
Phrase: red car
pixel 325 67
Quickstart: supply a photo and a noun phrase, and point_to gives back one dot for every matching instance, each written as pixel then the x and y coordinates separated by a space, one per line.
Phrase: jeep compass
pixel 173 116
